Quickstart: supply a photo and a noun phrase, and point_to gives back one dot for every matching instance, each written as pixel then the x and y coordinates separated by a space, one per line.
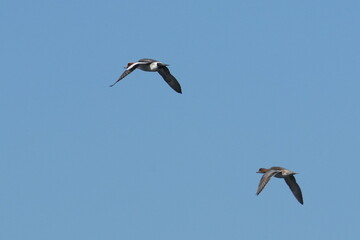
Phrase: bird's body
pixel 151 65
pixel 280 172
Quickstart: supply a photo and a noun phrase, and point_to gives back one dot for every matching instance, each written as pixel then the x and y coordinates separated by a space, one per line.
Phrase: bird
pixel 151 65
pixel 280 172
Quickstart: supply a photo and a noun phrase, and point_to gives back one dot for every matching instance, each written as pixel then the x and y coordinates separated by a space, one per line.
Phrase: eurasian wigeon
pixel 151 65
pixel 280 172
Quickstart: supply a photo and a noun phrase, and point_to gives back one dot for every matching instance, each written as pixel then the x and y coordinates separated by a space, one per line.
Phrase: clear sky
pixel 265 83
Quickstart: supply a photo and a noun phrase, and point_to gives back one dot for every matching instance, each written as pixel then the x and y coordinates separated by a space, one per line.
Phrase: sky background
pixel 265 83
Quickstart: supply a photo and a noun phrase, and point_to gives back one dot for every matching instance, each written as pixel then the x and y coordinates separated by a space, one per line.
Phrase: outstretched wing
pixel 129 70
pixel 265 179
pixel 170 79
pixel 295 188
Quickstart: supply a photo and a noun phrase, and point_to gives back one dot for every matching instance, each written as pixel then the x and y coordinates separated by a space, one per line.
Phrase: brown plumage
pixel 280 172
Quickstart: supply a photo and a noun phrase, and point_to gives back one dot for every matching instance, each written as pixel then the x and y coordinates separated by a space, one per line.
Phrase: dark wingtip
pixel 178 90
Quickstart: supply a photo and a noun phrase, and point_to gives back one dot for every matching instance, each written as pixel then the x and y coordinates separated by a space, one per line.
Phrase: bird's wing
pixel 170 79
pixel 295 188
pixel 129 70
pixel 265 179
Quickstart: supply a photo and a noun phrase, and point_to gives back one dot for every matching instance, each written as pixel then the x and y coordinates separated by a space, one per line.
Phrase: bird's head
pixel 128 65
pixel 262 170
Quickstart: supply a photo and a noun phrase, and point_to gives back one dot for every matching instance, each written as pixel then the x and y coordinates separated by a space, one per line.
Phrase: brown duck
pixel 280 172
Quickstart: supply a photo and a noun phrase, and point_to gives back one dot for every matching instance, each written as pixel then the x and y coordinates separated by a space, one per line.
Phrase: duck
pixel 280 172
pixel 151 65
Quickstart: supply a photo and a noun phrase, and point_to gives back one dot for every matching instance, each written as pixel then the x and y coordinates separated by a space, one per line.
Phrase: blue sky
pixel 265 83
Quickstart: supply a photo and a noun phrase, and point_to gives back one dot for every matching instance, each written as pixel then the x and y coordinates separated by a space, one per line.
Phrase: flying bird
pixel 280 172
pixel 151 65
